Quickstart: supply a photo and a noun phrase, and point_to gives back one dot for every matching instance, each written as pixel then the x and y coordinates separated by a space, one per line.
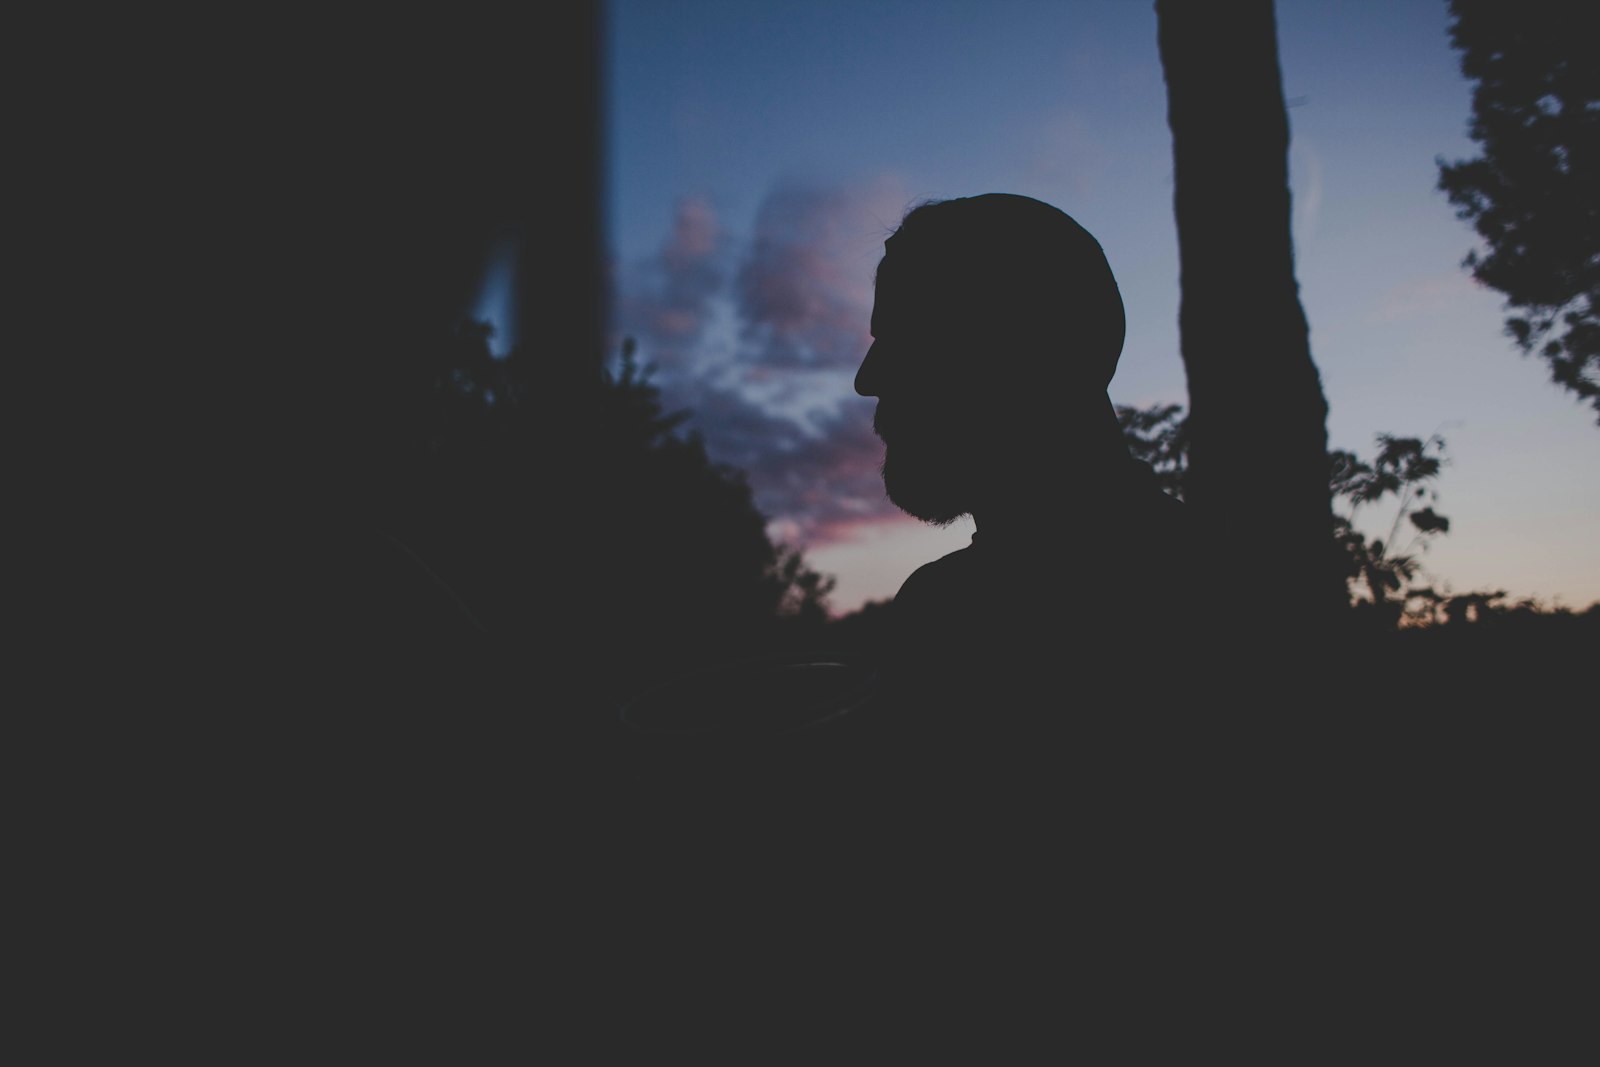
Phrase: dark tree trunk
pixel 1258 476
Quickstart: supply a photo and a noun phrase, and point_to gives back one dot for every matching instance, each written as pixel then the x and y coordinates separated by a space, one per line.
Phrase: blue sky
pixel 758 153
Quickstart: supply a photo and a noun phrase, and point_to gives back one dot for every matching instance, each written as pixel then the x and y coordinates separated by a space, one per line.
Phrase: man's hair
pixel 1025 271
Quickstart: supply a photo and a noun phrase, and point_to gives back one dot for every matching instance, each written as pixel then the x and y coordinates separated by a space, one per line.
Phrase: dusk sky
pixel 759 152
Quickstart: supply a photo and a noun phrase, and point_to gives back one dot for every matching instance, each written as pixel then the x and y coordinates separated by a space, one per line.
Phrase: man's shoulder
pixel 947 566
pixel 937 581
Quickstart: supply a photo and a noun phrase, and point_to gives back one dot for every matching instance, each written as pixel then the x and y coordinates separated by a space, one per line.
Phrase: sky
pixel 758 153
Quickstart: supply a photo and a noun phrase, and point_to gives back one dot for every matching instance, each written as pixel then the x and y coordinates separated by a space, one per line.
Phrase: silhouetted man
pixel 996 329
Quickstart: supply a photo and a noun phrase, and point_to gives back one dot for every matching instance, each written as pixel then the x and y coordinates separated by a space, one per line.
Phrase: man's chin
pixel 927 499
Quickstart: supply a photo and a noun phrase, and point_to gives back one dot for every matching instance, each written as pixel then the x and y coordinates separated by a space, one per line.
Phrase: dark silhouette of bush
pixel 585 528
pixel 1376 571
pixel 1384 574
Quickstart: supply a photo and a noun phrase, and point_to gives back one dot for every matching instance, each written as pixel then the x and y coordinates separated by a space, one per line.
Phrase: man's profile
pixel 997 326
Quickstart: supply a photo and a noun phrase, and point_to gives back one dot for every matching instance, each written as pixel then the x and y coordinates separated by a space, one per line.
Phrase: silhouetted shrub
pixel 583 524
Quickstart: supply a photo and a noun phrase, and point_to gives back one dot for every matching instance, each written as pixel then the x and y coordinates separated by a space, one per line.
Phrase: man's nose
pixel 867 374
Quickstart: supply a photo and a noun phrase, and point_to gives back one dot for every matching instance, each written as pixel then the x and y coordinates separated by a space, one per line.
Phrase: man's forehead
pixel 919 292
pixel 901 282
pixel 895 303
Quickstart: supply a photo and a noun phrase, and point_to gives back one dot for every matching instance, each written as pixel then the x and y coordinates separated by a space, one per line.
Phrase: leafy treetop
pixel 1533 194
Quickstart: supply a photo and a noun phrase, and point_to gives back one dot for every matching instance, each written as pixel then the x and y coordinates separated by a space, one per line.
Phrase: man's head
pixel 996 328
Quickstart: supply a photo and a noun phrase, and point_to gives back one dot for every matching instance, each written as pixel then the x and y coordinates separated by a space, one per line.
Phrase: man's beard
pixel 926 483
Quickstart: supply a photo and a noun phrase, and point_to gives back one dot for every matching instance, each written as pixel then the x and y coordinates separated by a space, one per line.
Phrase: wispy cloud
pixel 814 483
pixel 1306 182
pixel 759 339
pixel 666 302
pixel 804 292
pixel 1065 154
pixel 1430 294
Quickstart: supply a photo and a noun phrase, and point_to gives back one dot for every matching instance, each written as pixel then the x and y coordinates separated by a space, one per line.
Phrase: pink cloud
pixel 664 302
pixel 805 285
pixel 694 233
pixel 780 408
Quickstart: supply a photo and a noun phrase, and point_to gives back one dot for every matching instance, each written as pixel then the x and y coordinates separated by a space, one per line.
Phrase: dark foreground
pixel 435 852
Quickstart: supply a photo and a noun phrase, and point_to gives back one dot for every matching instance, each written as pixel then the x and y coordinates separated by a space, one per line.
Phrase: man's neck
pixel 1066 503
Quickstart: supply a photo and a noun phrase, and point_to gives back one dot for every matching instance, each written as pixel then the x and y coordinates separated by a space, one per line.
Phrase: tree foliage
pixel 1533 194
pixel 1158 435
pixel 582 508
pixel 1378 570
pixel 1405 468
